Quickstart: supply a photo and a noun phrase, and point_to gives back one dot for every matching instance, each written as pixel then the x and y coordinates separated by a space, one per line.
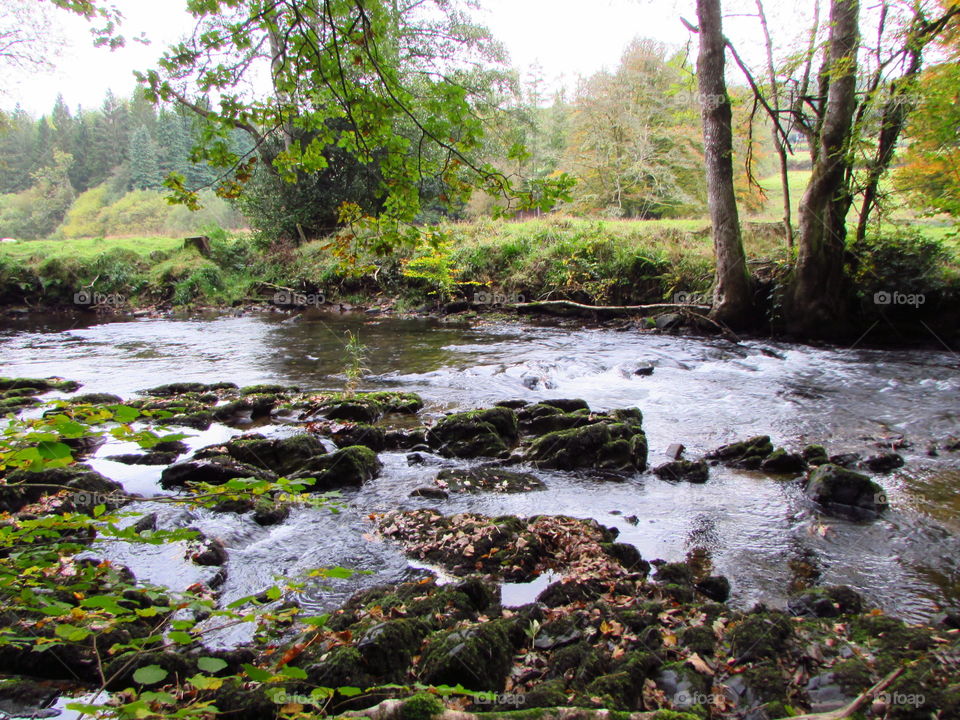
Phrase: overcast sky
pixel 566 38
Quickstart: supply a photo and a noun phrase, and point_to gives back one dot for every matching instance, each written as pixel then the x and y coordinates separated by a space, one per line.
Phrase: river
pixel 758 531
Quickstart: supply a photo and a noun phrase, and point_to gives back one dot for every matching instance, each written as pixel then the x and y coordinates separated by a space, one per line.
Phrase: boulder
pixel 847 460
pixel 96 399
pixel 488 433
pixel 845 493
pixel 86 489
pixel 479 658
pixel 695 472
pixel 362 434
pixel 150 458
pixel 601 445
pixel 815 455
pixel 715 587
pixel 282 456
pixel 747 454
pixel 348 467
pixel 826 602
pixel 883 462
pixel 215 470
pixel 781 462
pixel 543 418
pixel 434 493
pixel 491 479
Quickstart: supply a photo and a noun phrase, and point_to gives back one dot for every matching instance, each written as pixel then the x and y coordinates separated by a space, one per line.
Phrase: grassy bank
pixel 554 257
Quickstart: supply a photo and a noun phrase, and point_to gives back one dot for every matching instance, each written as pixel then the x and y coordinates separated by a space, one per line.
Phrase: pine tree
pixel 144 166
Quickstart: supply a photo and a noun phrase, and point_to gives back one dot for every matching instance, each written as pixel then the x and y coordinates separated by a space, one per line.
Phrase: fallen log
pixel 568 307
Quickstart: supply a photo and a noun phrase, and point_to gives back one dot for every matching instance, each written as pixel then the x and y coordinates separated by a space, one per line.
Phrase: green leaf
pixel 211 664
pixel 53 450
pixel 316 620
pixel 256 674
pixel 273 593
pixel 293 672
pixel 349 691
pixel 105 602
pixel 180 637
pixel 205 682
pixel 124 414
pixel 72 633
pixel 149 674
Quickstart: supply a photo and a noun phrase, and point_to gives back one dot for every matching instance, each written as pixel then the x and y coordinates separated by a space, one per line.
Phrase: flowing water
pixel 758 531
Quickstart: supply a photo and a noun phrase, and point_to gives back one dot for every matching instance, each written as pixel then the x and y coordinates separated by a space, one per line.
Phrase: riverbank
pixel 906 285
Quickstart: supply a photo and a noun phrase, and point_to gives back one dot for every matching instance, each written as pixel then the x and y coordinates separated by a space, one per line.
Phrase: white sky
pixel 566 38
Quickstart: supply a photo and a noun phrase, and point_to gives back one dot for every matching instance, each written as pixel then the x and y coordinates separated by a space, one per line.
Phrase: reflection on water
pixel 702 393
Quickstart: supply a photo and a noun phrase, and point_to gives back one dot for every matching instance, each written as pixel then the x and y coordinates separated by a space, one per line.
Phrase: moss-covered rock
pixel 695 472
pixel 348 467
pixel 479 658
pixel 364 434
pixel 815 455
pixel 282 456
pixel 826 602
pixel 543 418
pixel 616 691
pixel 781 462
pixel 487 433
pixel 85 489
pixel 214 470
pixel 747 454
pixel 387 647
pixel 96 399
pixel 761 636
pixel 614 446
pixel 40 385
pixel 845 493
pixel 182 388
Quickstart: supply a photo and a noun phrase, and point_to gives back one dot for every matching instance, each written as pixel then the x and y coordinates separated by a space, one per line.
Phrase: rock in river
pixel 845 493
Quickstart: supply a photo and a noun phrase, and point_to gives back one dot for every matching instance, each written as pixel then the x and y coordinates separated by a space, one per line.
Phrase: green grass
pixel 87 248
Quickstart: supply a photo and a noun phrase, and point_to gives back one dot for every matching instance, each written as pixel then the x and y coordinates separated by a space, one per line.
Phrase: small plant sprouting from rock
pixel 356 354
pixel 532 630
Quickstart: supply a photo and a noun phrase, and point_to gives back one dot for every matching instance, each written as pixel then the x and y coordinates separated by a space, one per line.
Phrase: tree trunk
pixel 732 300
pixel 778 141
pixel 818 303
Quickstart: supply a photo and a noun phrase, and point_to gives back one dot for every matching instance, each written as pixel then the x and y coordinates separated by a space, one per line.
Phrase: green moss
pixel 478 658
pixel 853 675
pixel 896 640
pixel 761 636
pixel 616 691
pixel 349 466
pixel 548 694
pixel 699 639
pixel 421 706
pixel 767 682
